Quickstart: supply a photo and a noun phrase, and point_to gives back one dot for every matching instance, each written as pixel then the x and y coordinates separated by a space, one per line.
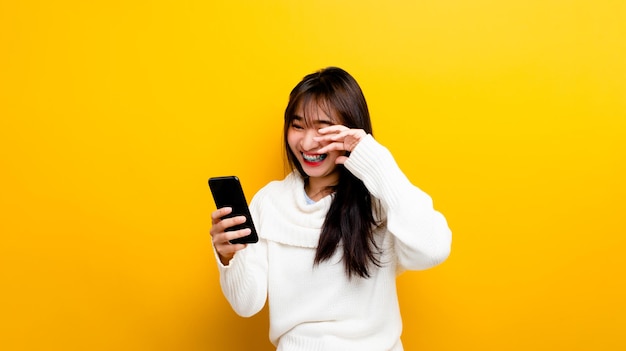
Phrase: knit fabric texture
pixel 317 307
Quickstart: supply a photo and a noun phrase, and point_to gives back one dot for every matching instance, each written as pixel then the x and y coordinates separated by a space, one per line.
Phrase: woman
pixel 335 233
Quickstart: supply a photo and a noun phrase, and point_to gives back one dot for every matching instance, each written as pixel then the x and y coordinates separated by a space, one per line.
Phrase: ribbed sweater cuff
pixel 375 166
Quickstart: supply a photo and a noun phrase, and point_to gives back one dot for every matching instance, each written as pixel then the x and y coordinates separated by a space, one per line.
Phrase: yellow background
pixel 113 115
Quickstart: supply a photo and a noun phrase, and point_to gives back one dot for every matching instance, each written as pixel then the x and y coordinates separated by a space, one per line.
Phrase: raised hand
pixel 339 138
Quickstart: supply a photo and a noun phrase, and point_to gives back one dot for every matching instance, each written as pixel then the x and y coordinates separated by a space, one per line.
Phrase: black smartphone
pixel 227 192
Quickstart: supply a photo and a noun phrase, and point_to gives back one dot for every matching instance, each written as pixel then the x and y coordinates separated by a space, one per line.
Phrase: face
pixel 304 127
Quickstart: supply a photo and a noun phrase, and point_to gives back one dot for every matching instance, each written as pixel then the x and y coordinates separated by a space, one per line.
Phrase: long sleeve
pixel 422 238
pixel 244 279
pixel 317 306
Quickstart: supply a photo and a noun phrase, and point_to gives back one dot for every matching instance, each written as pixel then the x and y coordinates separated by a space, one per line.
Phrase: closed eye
pixel 300 123
pixel 297 123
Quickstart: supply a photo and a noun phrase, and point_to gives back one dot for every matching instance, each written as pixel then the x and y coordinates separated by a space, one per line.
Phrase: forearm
pixel 244 280
pixel 422 236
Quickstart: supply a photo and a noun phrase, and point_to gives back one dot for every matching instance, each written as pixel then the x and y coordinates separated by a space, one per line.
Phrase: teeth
pixel 314 158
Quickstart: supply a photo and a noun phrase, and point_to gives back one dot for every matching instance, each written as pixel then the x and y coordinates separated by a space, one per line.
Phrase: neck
pixel 317 188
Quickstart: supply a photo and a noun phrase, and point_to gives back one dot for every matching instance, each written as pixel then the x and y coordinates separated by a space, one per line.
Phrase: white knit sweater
pixel 317 308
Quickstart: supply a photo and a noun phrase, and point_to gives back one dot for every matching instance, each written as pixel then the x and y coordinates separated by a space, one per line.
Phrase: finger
pixel 218 228
pixel 332 137
pixel 217 215
pixel 357 134
pixel 231 222
pixel 341 160
pixel 336 146
pixel 227 237
pixel 224 238
pixel 223 244
pixel 332 129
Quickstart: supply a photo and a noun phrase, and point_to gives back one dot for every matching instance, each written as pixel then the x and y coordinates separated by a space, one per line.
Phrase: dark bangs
pixel 335 92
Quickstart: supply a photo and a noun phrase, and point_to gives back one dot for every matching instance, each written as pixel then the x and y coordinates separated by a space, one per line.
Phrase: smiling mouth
pixel 314 158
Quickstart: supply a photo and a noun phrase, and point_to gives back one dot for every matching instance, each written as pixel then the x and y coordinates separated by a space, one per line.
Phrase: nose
pixel 308 143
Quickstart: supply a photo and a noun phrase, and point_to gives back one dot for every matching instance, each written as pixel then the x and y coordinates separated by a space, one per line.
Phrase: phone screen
pixel 227 192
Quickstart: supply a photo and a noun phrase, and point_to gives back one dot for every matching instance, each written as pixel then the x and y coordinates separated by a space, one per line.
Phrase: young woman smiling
pixel 335 233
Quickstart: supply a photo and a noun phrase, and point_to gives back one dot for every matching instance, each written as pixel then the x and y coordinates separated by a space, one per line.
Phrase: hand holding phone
pixel 227 192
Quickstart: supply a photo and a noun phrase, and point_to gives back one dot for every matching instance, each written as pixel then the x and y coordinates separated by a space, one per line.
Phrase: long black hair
pixel 350 220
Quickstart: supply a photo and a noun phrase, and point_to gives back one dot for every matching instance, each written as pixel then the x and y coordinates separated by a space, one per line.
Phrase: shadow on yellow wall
pixel 113 115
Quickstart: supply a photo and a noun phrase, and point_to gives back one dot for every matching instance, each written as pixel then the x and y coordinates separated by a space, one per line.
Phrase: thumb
pixel 341 160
